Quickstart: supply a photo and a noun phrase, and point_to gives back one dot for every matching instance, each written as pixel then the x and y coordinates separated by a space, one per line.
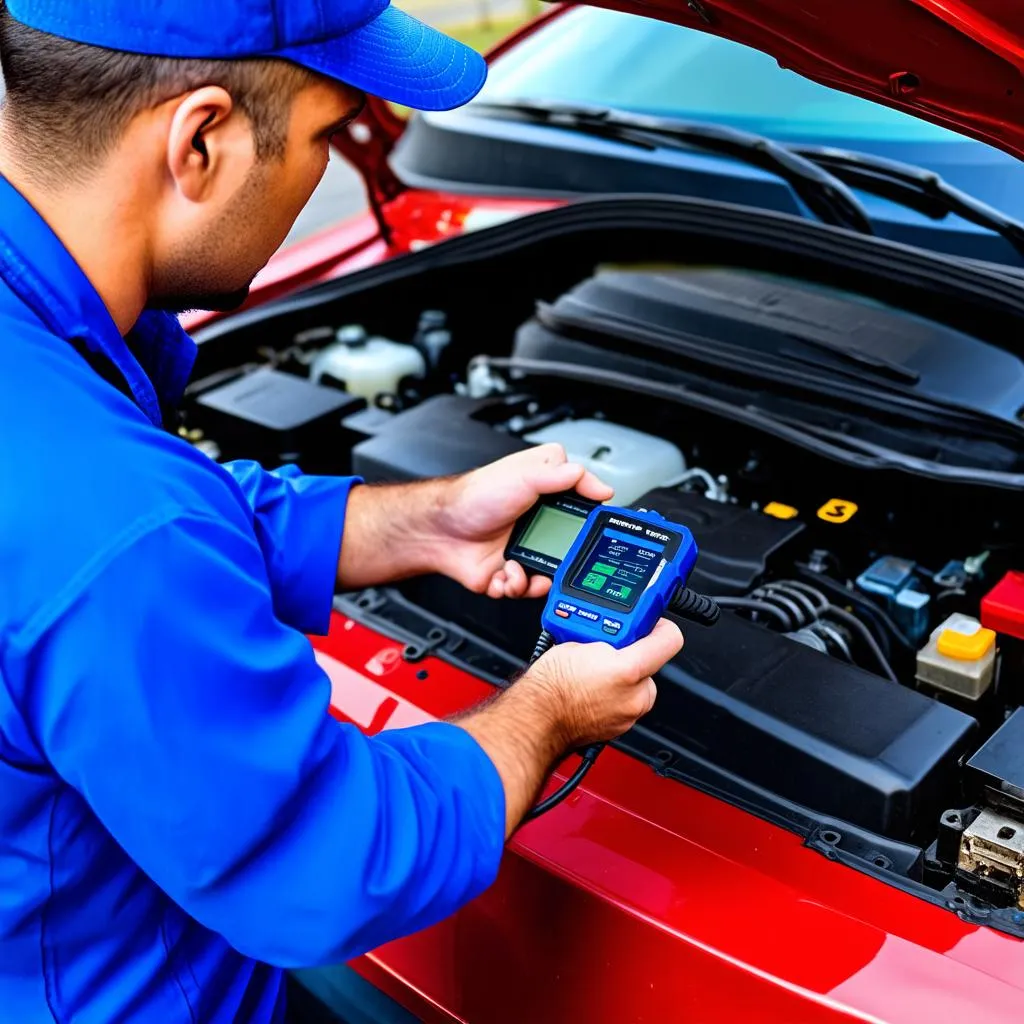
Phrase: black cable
pixel 790 606
pixel 749 604
pixel 589 755
pixel 805 588
pixel 794 594
pixel 686 603
pixel 544 644
pixel 695 607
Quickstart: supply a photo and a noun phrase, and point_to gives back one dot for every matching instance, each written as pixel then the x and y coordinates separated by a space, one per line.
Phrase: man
pixel 179 817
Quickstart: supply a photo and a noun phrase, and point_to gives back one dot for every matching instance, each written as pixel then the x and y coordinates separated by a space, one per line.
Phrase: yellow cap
pixel 780 511
pixel 966 646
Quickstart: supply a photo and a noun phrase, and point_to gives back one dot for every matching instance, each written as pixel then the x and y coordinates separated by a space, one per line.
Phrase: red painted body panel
pixel 641 899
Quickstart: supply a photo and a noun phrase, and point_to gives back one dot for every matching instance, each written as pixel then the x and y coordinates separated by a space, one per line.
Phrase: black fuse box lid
pixel 275 400
pixel 275 417
pixel 999 764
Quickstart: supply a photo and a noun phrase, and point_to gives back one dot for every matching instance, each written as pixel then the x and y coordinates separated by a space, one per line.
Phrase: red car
pixel 823 817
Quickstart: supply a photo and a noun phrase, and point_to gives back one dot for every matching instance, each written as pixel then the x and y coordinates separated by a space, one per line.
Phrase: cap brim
pixel 398 59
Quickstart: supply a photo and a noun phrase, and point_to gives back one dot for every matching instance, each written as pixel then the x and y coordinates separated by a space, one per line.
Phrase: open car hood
pixel 953 62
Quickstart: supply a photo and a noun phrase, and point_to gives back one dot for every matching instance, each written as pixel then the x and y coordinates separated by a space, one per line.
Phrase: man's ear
pixel 207 142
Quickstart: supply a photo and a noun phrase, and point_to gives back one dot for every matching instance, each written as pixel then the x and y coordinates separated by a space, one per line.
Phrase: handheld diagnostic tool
pixel 543 537
pixel 619 576
pixel 614 571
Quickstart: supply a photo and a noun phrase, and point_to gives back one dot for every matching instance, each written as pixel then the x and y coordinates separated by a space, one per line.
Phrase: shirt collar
pixel 156 358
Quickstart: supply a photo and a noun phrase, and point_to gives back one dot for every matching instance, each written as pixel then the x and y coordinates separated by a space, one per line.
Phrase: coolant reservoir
pixel 629 460
pixel 367 366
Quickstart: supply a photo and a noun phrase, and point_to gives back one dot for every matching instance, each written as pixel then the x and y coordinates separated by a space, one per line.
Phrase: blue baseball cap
pixel 364 43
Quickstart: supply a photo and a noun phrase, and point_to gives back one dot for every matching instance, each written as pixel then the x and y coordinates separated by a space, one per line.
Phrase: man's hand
pixel 457 526
pixel 482 507
pixel 576 694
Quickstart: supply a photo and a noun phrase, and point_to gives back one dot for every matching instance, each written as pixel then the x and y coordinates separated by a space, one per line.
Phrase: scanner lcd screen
pixel 619 567
pixel 551 532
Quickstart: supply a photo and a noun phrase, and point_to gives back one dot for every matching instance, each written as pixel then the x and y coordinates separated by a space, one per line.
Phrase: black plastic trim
pixel 763 422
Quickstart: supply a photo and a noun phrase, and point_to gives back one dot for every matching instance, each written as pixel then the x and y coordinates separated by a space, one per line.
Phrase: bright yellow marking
pixel 837 511
pixel 780 511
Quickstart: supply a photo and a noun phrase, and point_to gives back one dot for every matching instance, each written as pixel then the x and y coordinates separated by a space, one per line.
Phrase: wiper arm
pixel 914 187
pixel 824 194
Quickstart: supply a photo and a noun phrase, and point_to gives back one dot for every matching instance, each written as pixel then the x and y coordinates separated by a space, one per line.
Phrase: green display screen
pixel 552 532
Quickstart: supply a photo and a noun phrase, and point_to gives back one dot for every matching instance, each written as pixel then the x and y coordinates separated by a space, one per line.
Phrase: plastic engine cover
pixel 814 730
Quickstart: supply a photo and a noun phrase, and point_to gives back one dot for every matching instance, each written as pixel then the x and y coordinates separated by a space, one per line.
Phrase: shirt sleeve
pixel 298 521
pixel 195 725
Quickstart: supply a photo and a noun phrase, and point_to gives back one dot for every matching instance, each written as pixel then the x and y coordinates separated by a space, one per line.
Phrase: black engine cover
pixel 810 728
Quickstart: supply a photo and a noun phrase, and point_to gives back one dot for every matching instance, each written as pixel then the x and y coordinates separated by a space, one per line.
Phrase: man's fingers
pixel 515 580
pixel 552 477
pixel 593 487
pixel 496 587
pixel 547 470
pixel 539 587
pixel 653 652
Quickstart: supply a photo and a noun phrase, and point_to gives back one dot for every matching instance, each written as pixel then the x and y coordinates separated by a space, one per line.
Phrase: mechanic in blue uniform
pixel 180 819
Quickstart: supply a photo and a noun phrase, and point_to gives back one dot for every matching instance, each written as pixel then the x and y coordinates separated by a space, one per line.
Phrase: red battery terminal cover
pixel 1002 608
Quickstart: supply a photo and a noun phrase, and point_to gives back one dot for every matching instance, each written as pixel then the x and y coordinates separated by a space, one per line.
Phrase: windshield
pixel 608 58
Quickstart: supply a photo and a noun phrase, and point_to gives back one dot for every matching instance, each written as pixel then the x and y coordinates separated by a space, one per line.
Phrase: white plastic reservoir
pixel 368 366
pixel 629 460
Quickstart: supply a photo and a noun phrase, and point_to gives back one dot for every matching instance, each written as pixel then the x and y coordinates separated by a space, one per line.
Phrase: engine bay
pixel 847 449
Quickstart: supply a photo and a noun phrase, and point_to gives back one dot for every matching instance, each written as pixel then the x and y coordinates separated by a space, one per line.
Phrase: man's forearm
pixel 521 733
pixel 390 533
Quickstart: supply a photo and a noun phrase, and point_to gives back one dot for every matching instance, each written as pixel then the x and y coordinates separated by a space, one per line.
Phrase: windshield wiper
pixel 916 188
pixel 824 194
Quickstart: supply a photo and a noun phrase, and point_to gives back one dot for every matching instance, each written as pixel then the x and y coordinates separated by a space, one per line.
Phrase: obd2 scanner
pixel 615 572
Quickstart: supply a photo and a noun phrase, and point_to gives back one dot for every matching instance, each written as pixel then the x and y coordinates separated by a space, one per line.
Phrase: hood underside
pixel 955 63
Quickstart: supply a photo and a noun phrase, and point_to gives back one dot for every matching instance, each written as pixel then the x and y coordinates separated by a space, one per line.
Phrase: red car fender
pixel 642 899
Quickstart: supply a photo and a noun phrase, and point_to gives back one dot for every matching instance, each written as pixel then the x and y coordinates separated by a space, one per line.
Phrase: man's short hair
pixel 68 103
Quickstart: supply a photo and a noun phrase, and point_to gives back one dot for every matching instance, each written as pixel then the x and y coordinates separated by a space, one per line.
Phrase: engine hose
pixel 865 634
pixel 783 587
pixel 753 605
pixel 806 588
pixel 776 596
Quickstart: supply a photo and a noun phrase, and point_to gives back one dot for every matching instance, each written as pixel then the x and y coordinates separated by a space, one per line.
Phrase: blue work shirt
pixel 180 818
